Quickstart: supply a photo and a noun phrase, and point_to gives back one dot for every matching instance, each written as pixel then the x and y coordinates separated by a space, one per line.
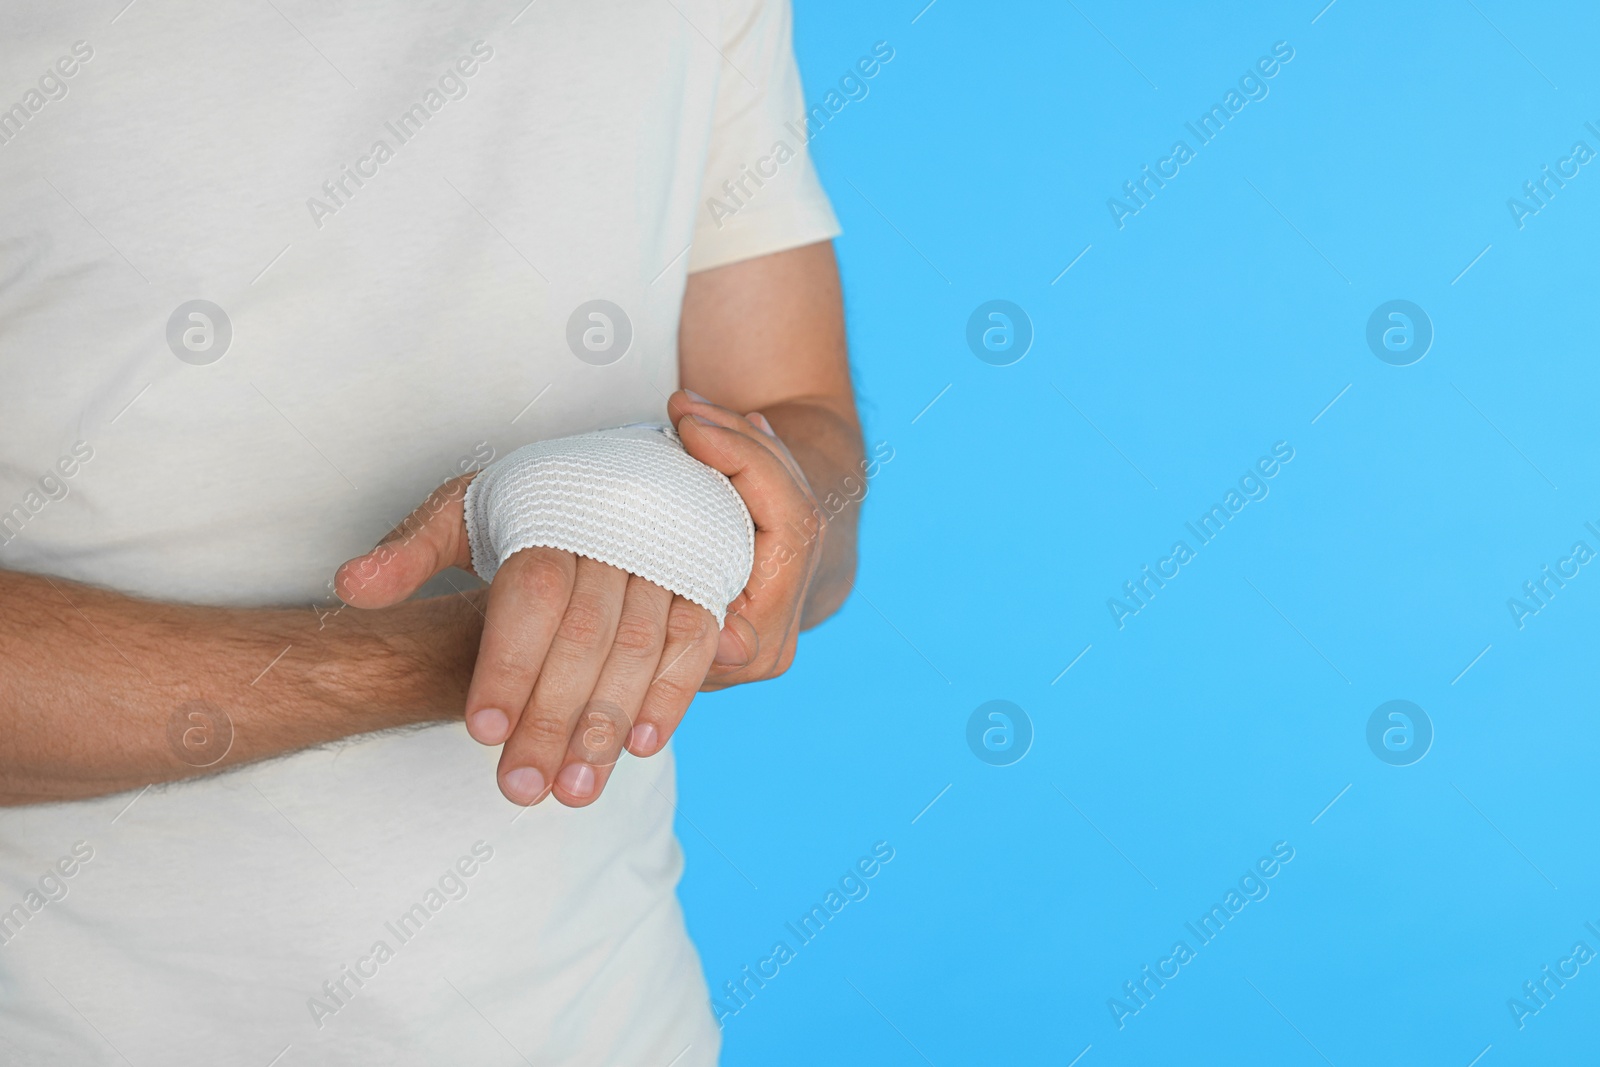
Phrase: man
pixel 270 274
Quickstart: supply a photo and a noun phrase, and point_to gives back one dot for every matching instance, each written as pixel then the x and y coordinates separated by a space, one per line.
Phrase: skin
pixel 578 657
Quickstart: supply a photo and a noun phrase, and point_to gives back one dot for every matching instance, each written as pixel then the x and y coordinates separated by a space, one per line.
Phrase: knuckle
pixel 508 663
pixel 638 636
pixel 690 624
pixel 541 576
pixel 543 730
pixel 584 621
pixel 666 685
pixel 667 701
pixel 677 683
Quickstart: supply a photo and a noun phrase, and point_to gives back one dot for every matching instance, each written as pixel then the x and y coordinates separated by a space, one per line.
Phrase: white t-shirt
pixel 268 274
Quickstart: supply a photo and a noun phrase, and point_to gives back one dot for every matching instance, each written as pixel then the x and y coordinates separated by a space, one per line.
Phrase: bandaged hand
pixel 582 653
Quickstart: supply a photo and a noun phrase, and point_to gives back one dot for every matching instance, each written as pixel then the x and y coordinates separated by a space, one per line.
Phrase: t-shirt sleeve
pixel 760 193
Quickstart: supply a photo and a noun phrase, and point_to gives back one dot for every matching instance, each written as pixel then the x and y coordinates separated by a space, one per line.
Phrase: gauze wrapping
pixel 630 497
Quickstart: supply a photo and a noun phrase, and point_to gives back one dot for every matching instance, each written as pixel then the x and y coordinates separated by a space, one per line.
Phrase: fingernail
pixel 525 784
pixel 730 649
pixel 702 420
pixel 577 779
pixel 642 738
pixel 696 397
pixel 488 726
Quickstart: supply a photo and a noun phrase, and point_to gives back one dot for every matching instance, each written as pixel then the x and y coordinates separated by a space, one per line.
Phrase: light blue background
pixel 1229 712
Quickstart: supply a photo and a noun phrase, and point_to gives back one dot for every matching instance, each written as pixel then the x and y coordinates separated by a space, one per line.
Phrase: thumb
pixel 737 644
pixel 430 539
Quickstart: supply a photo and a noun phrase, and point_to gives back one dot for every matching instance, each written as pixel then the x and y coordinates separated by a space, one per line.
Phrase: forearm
pixel 90 682
pixel 826 442
pixel 767 334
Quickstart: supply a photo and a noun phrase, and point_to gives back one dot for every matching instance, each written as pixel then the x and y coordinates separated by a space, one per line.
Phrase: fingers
pixel 526 603
pixel 691 643
pixel 630 666
pixel 536 749
pixel 775 498
pixel 753 425
pixel 758 637
pixel 430 539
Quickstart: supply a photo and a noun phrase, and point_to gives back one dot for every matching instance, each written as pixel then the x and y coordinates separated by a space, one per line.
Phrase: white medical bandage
pixel 630 497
